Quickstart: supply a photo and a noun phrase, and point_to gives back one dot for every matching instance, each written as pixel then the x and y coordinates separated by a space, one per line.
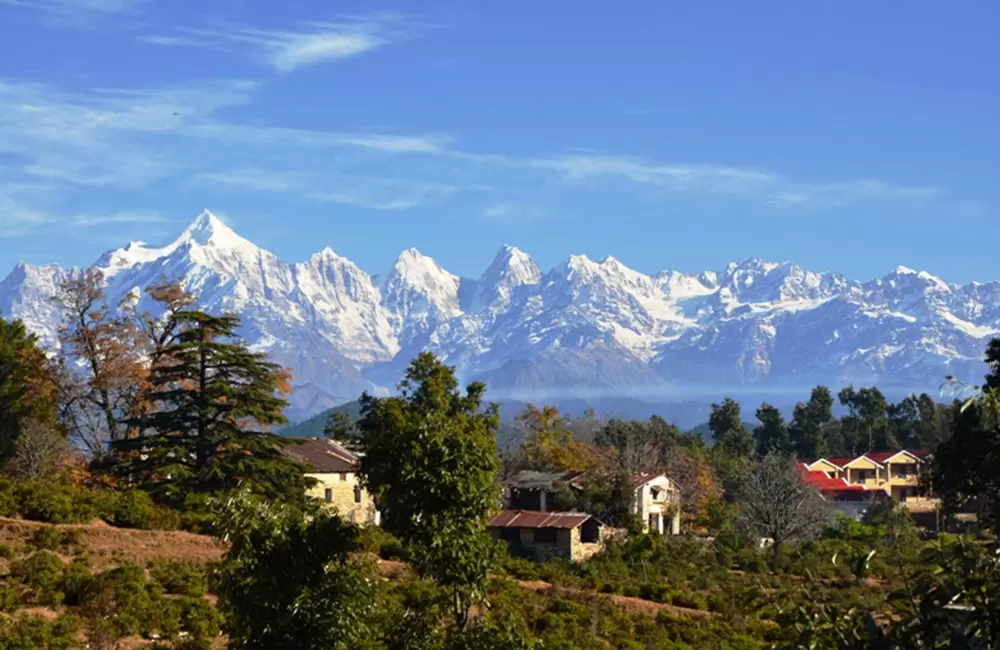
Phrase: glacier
pixel 585 328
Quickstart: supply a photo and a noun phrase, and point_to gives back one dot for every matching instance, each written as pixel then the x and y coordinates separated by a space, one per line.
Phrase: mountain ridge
pixel 582 328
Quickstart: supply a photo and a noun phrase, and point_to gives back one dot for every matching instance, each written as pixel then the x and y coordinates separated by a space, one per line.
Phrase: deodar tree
pixel 430 460
pixel 212 402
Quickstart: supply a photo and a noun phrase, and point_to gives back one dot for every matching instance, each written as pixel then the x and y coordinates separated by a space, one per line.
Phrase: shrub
pixel 46 502
pixel 77 582
pixel 7 551
pixel 182 578
pixel 43 572
pixel 132 509
pixel 122 596
pixel 34 632
pixel 46 538
pixel 10 598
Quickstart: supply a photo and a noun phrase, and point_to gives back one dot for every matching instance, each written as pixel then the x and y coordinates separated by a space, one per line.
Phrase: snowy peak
pixel 418 294
pixel 584 325
pixel 510 269
pixel 208 230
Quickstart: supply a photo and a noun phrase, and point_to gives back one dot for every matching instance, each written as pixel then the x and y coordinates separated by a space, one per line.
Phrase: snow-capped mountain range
pixel 582 328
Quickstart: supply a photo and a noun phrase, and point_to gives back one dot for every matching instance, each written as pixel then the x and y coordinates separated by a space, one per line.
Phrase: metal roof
pixel 529 479
pixel 537 519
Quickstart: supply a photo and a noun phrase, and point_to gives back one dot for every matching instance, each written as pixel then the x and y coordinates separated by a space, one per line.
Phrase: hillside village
pixel 146 501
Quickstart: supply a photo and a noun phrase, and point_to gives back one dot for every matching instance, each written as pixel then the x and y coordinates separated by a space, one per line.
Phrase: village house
pixel 896 473
pixel 335 470
pixel 655 498
pixel 657 504
pixel 573 536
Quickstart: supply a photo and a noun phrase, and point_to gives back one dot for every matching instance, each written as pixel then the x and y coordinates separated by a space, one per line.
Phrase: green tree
pixel 727 428
pixel 807 432
pixel 429 457
pixel 213 401
pixel 290 581
pixel 772 434
pixel 865 425
pixel 27 387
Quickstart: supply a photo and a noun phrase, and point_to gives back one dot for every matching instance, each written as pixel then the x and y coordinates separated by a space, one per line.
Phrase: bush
pixel 122 596
pixel 34 633
pixel 43 572
pixel 132 509
pixel 10 598
pixel 7 551
pixel 181 578
pixel 77 582
pixel 46 538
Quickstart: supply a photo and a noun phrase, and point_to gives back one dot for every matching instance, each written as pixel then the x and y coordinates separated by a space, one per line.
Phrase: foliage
pixel 27 388
pixel 99 395
pixel 549 444
pixel 772 434
pixel 430 460
pixel 731 437
pixel 293 582
pixel 810 419
pixel 207 432
pixel 34 632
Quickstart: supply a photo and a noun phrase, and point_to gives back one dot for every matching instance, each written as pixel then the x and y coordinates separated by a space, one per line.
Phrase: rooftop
pixel 321 455
pixel 536 519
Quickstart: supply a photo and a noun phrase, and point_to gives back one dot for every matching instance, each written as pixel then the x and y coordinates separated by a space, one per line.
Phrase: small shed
pixel 540 535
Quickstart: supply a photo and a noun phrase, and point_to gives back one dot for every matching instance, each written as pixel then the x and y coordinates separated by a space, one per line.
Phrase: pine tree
pixel 810 419
pixel 212 401
pixel 772 434
pixel 28 392
pixel 731 436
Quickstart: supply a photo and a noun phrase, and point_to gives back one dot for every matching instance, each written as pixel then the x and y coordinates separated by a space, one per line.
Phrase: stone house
pixel 335 470
pixel 573 536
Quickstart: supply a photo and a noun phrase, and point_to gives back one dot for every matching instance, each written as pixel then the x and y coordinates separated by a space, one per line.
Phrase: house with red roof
pixel 894 473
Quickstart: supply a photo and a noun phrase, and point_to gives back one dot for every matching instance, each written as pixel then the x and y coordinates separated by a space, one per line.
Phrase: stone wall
pixel 343 492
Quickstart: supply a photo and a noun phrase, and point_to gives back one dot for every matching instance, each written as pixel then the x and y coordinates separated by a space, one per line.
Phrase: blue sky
pixel 847 136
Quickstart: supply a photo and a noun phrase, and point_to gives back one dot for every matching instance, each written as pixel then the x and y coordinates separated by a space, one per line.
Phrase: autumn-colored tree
pixel 101 393
pixel 28 392
pixel 549 444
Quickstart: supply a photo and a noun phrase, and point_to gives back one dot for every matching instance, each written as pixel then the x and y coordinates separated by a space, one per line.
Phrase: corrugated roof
pixel 322 455
pixel 528 479
pixel 537 519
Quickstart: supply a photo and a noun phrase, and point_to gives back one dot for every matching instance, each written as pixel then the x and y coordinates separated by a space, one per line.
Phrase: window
pixel 357 494
pixel 328 495
pixel 546 535
pixel 510 534
pixel 343 476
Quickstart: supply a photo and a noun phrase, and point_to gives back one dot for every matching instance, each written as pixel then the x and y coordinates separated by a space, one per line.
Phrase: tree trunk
pixel 203 449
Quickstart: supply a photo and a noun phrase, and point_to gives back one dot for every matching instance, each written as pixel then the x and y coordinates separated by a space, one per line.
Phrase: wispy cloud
pixel 376 193
pixel 190 135
pixel 119 217
pixel 77 7
pixel 291 49
pixel 767 186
